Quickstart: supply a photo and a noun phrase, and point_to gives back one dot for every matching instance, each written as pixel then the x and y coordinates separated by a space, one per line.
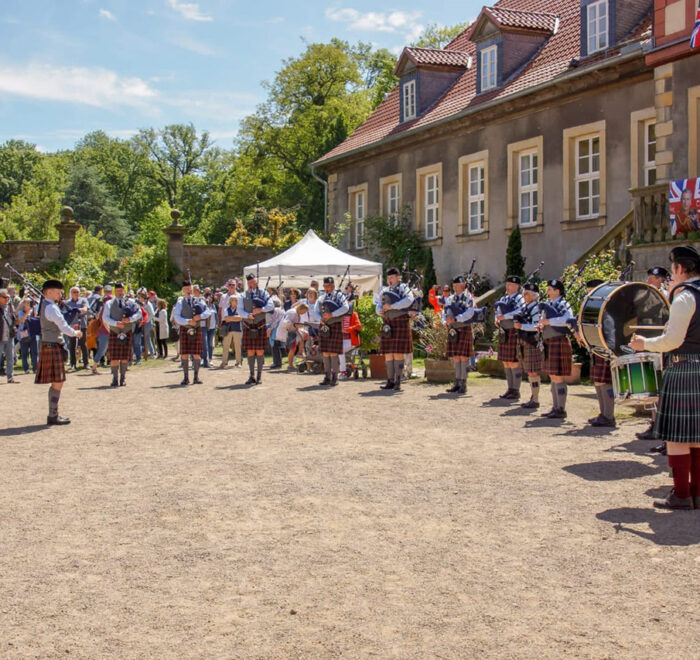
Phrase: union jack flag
pixel 695 36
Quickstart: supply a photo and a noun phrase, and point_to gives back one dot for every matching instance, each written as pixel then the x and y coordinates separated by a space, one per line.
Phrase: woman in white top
pixel 163 328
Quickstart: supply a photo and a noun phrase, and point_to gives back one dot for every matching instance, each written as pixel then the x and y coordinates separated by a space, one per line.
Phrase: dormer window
pixel 409 100
pixel 488 68
pixel 597 26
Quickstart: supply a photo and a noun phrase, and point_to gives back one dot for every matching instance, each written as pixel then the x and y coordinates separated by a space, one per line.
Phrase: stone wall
pixel 217 263
pixel 648 255
pixel 28 255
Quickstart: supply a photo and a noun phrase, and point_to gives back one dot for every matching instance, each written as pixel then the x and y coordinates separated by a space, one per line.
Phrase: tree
pixel 439 36
pixel 94 207
pixel 17 162
pixel 515 263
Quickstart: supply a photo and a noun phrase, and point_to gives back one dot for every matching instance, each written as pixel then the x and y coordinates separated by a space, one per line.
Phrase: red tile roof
pixel 517 18
pixel 432 56
pixel 551 60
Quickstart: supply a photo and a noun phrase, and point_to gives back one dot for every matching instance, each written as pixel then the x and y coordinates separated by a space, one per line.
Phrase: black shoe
pixel 557 413
pixel 397 385
pixel 185 381
pixel 258 380
pixel 696 502
pixel 530 405
pixel 659 449
pixel 604 422
pixel 196 381
pixel 250 381
pixel 673 502
pixel 114 383
pixel 122 381
pixel 462 387
pixel 514 395
pixel 549 414
pixel 454 388
pixel 506 394
pixel 595 419
pixel 389 385
pixel 647 435
pixel 57 420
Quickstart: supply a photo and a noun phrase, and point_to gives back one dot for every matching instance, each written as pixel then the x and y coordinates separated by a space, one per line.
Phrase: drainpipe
pixel 325 196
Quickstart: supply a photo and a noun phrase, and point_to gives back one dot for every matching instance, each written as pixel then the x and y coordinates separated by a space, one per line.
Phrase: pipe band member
pixel 678 416
pixel 51 367
pixel 188 313
pixel 396 339
pixel 530 352
pixel 252 308
pixel 557 347
pixel 457 314
pixel 507 307
pixel 331 305
pixel 118 316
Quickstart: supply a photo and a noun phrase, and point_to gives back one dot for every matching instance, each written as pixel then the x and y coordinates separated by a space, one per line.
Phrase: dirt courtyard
pixel 287 520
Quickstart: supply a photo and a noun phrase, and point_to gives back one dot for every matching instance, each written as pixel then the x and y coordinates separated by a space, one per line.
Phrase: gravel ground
pixel 288 520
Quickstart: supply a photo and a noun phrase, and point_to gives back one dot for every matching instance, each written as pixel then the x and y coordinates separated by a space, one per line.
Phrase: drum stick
pixel 647 327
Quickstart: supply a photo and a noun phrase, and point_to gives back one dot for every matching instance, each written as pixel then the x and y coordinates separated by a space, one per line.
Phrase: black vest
pixel 691 343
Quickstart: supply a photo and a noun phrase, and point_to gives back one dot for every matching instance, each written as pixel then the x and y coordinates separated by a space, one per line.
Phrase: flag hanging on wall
pixel 695 36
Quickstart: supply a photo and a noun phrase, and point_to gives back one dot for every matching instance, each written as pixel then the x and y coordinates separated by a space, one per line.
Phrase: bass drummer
pixel 678 421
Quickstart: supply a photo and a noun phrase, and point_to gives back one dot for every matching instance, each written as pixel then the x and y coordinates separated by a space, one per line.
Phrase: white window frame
pixel 530 191
pixel 488 74
pixel 597 26
pixel 393 200
pixel 431 208
pixel 476 200
pixel 360 211
pixel 409 100
pixel 591 177
pixel 649 166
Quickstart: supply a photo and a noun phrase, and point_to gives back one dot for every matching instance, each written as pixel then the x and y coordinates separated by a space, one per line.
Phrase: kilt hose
pixel 600 370
pixel 191 344
pixel 678 415
pixel 401 340
pixel 531 357
pixel 119 350
pixel 464 346
pixel 508 346
pixel 250 343
pixel 331 342
pixel 558 354
pixel 50 368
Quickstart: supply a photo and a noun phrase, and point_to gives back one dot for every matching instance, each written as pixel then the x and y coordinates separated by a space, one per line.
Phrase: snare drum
pixel 608 312
pixel 636 378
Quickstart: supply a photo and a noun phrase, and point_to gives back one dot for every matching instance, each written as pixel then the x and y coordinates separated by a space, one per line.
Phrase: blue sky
pixel 68 67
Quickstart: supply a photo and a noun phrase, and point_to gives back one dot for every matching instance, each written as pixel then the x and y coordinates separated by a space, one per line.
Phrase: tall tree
pixel 17 162
pixel 439 36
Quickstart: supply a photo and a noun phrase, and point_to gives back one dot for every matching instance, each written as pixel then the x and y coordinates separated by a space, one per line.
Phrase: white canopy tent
pixel 313 259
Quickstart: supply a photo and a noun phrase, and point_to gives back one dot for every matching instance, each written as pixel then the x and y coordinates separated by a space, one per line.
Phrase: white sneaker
pixel 343 375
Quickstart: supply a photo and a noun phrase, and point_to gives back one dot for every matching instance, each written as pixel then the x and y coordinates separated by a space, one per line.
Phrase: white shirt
pixel 180 319
pixel 110 323
pixel 682 310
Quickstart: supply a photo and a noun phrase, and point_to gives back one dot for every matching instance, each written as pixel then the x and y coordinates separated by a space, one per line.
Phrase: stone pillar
pixel 176 242
pixel 663 101
pixel 67 229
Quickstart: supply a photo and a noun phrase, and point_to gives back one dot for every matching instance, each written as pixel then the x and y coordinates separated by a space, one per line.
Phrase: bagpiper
pixel 253 307
pixel 507 308
pixel 557 346
pixel 530 352
pixel 51 368
pixel 396 340
pixel 332 306
pixel 678 420
pixel 118 315
pixel 188 313
pixel 457 314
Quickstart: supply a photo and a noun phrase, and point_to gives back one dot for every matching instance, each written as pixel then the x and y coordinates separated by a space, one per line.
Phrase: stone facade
pixel 218 263
pixel 28 256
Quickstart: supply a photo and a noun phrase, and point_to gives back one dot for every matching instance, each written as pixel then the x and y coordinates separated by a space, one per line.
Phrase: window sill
pixel 584 224
pixel 529 229
pixel 476 236
pixel 432 242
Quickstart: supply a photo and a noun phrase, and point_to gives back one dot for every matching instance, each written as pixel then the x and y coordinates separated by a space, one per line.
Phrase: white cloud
pixel 189 10
pixel 406 23
pixel 92 86
pixel 105 13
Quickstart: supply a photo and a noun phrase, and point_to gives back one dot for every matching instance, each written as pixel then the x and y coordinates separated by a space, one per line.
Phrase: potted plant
pixel 369 335
pixel 432 338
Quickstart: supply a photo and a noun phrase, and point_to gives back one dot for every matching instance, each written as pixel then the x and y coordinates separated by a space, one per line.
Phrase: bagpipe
pixel 30 290
pixel 390 296
pixel 414 280
pixel 70 314
pixel 550 311
pixel 330 306
pixel 457 308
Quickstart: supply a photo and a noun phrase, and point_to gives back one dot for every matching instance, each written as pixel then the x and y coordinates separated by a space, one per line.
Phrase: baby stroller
pixel 355 364
pixel 312 360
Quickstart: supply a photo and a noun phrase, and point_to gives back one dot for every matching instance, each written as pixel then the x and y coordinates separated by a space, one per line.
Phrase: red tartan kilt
pixel 532 358
pixel 464 346
pixel 119 350
pixel 50 368
pixel 508 346
pixel 191 344
pixel 401 340
pixel 600 370
pixel 558 356
pixel 250 343
pixel 332 342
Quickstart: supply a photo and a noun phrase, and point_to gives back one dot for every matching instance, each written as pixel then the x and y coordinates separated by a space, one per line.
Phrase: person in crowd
pixel 351 340
pixel 28 345
pixel 8 332
pixel 210 328
pixel 231 331
pixel 274 319
pixel 163 328
pixel 103 332
pixel 79 307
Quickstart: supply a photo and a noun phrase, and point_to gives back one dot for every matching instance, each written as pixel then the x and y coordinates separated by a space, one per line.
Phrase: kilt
pixel 50 368
pixel 558 354
pixel 531 358
pixel 678 415
pixel 332 342
pixel 119 350
pixel 250 343
pixel 600 370
pixel 401 340
pixel 508 346
pixel 191 344
pixel 464 346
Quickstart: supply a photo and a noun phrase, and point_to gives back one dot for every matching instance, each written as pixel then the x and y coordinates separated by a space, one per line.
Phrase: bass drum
pixel 609 310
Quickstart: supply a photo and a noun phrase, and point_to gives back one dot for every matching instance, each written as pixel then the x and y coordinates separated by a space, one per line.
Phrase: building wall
pixel 218 263
pixel 28 255
pixel 686 74
pixel 552 243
